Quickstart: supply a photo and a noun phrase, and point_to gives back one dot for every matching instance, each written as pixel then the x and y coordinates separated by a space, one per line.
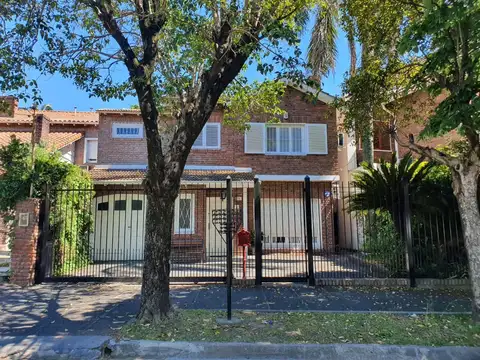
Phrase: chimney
pixel 42 128
pixel 8 106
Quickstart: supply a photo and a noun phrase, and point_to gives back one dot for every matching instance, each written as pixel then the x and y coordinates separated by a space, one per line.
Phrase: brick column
pixel 24 250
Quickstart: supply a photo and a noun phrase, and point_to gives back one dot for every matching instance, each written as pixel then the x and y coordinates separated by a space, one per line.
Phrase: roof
pixel 55 140
pixel 55 117
pixel 124 176
pixel 321 95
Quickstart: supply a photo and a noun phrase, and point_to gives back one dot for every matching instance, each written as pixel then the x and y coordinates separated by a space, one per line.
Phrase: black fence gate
pixel 300 231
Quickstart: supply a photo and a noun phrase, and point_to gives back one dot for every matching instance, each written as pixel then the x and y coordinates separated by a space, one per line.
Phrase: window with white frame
pixel 91 150
pixel 127 131
pixel 285 139
pixel 209 138
pixel 185 214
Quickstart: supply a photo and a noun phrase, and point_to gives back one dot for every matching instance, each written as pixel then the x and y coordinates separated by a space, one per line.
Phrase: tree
pixel 437 46
pixel 181 53
pixel 448 37
pixel 381 188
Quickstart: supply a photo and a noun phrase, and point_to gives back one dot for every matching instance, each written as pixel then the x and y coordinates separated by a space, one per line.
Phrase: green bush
pixel 383 244
pixel 71 218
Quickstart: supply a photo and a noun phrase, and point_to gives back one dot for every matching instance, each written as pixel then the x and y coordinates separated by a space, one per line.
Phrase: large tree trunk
pixel 155 301
pixel 465 185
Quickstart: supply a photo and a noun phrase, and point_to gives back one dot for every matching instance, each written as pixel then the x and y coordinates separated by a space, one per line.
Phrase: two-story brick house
pixel 280 155
pixel 73 133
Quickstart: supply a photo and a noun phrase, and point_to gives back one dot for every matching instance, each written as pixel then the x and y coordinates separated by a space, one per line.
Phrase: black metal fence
pixel 300 231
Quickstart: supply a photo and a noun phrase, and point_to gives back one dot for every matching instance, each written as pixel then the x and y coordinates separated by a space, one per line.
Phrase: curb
pixel 98 347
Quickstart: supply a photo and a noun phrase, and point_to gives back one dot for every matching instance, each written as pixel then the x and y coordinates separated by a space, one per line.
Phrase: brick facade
pixel 24 249
pixel 232 153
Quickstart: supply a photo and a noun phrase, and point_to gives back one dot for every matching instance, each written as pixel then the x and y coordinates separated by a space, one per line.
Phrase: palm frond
pixel 322 49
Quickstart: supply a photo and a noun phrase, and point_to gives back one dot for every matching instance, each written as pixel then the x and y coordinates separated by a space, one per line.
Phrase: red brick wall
pixel 232 153
pixel 299 111
pixel 42 128
pixel 24 250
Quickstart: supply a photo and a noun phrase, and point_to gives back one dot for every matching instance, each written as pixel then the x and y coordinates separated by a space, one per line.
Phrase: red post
pixel 244 262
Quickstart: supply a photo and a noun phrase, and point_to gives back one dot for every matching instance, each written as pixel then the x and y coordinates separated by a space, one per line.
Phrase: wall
pixel 133 151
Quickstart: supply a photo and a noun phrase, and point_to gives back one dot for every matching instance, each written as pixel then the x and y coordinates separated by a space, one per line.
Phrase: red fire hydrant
pixel 244 241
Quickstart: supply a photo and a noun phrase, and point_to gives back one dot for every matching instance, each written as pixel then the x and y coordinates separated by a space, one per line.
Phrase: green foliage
pixel 381 188
pixel 437 241
pixel 448 36
pixel 242 100
pixel 438 247
pixel 383 244
pixel 73 219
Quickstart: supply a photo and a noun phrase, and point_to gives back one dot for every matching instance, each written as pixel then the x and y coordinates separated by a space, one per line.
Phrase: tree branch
pixel 426 151
pixel 104 11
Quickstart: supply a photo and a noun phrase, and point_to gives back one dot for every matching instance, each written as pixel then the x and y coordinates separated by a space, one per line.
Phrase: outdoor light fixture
pixel 223 195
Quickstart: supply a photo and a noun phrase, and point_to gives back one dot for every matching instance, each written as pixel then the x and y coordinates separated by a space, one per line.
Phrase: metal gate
pixel 97 234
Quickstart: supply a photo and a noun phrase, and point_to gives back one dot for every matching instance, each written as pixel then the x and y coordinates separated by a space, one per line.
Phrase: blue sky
pixel 62 94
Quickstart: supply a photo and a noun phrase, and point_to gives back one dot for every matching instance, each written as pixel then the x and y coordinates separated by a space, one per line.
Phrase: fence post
pixel 44 240
pixel 407 223
pixel 309 232
pixel 229 238
pixel 258 233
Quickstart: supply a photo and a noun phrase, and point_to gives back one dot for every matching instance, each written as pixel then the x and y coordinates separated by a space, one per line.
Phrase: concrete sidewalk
pixel 96 347
pixel 101 309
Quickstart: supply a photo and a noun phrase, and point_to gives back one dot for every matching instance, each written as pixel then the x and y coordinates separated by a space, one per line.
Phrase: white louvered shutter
pixel 255 139
pixel 317 139
pixel 212 135
pixel 92 149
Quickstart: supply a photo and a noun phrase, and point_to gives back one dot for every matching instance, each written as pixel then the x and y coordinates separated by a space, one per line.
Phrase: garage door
pixel 283 224
pixel 119 227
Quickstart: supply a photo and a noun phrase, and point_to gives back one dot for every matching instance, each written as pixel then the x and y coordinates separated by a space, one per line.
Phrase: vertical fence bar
pixel 407 221
pixel 44 256
pixel 258 233
pixel 308 222
pixel 229 248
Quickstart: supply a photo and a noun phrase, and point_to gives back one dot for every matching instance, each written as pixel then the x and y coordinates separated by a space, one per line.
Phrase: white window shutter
pixel 317 139
pixel 92 149
pixel 255 139
pixel 212 135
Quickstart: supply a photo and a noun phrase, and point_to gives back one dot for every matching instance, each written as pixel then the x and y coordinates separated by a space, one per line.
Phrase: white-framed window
pixel 285 139
pixel 91 150
pixel 209 138
pixel 341 140
pixel 185 214
pixel 127 131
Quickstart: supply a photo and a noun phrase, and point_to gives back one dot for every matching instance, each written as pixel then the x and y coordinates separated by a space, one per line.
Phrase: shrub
pixel 72 223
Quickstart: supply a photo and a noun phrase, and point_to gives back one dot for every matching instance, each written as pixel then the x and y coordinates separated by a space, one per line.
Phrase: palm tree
pixel 322 49
pixel 379 188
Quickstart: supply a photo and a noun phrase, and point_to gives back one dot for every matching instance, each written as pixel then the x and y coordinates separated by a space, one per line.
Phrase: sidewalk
pixel 101 309
pixel 92 347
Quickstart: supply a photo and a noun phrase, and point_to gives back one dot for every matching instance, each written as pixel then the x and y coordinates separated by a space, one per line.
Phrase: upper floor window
pixel 91 150
pixel 285 139
pixel 128 131
pixel 381 137
pixel 209 138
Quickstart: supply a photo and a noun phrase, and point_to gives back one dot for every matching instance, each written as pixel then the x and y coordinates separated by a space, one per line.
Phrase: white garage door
pixel 119 227
pixel 283 224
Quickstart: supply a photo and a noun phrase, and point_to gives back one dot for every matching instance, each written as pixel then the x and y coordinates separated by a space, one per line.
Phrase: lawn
pixel 312 328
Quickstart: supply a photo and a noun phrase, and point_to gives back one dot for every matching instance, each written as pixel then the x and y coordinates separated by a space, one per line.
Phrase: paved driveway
pixel 100 309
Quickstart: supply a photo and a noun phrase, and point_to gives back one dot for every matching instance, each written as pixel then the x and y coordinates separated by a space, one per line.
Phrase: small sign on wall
pixel 23 219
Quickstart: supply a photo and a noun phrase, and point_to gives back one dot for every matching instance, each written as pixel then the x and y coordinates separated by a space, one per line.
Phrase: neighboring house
pixel 72 133
pixel 412 111
pixel 280 155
